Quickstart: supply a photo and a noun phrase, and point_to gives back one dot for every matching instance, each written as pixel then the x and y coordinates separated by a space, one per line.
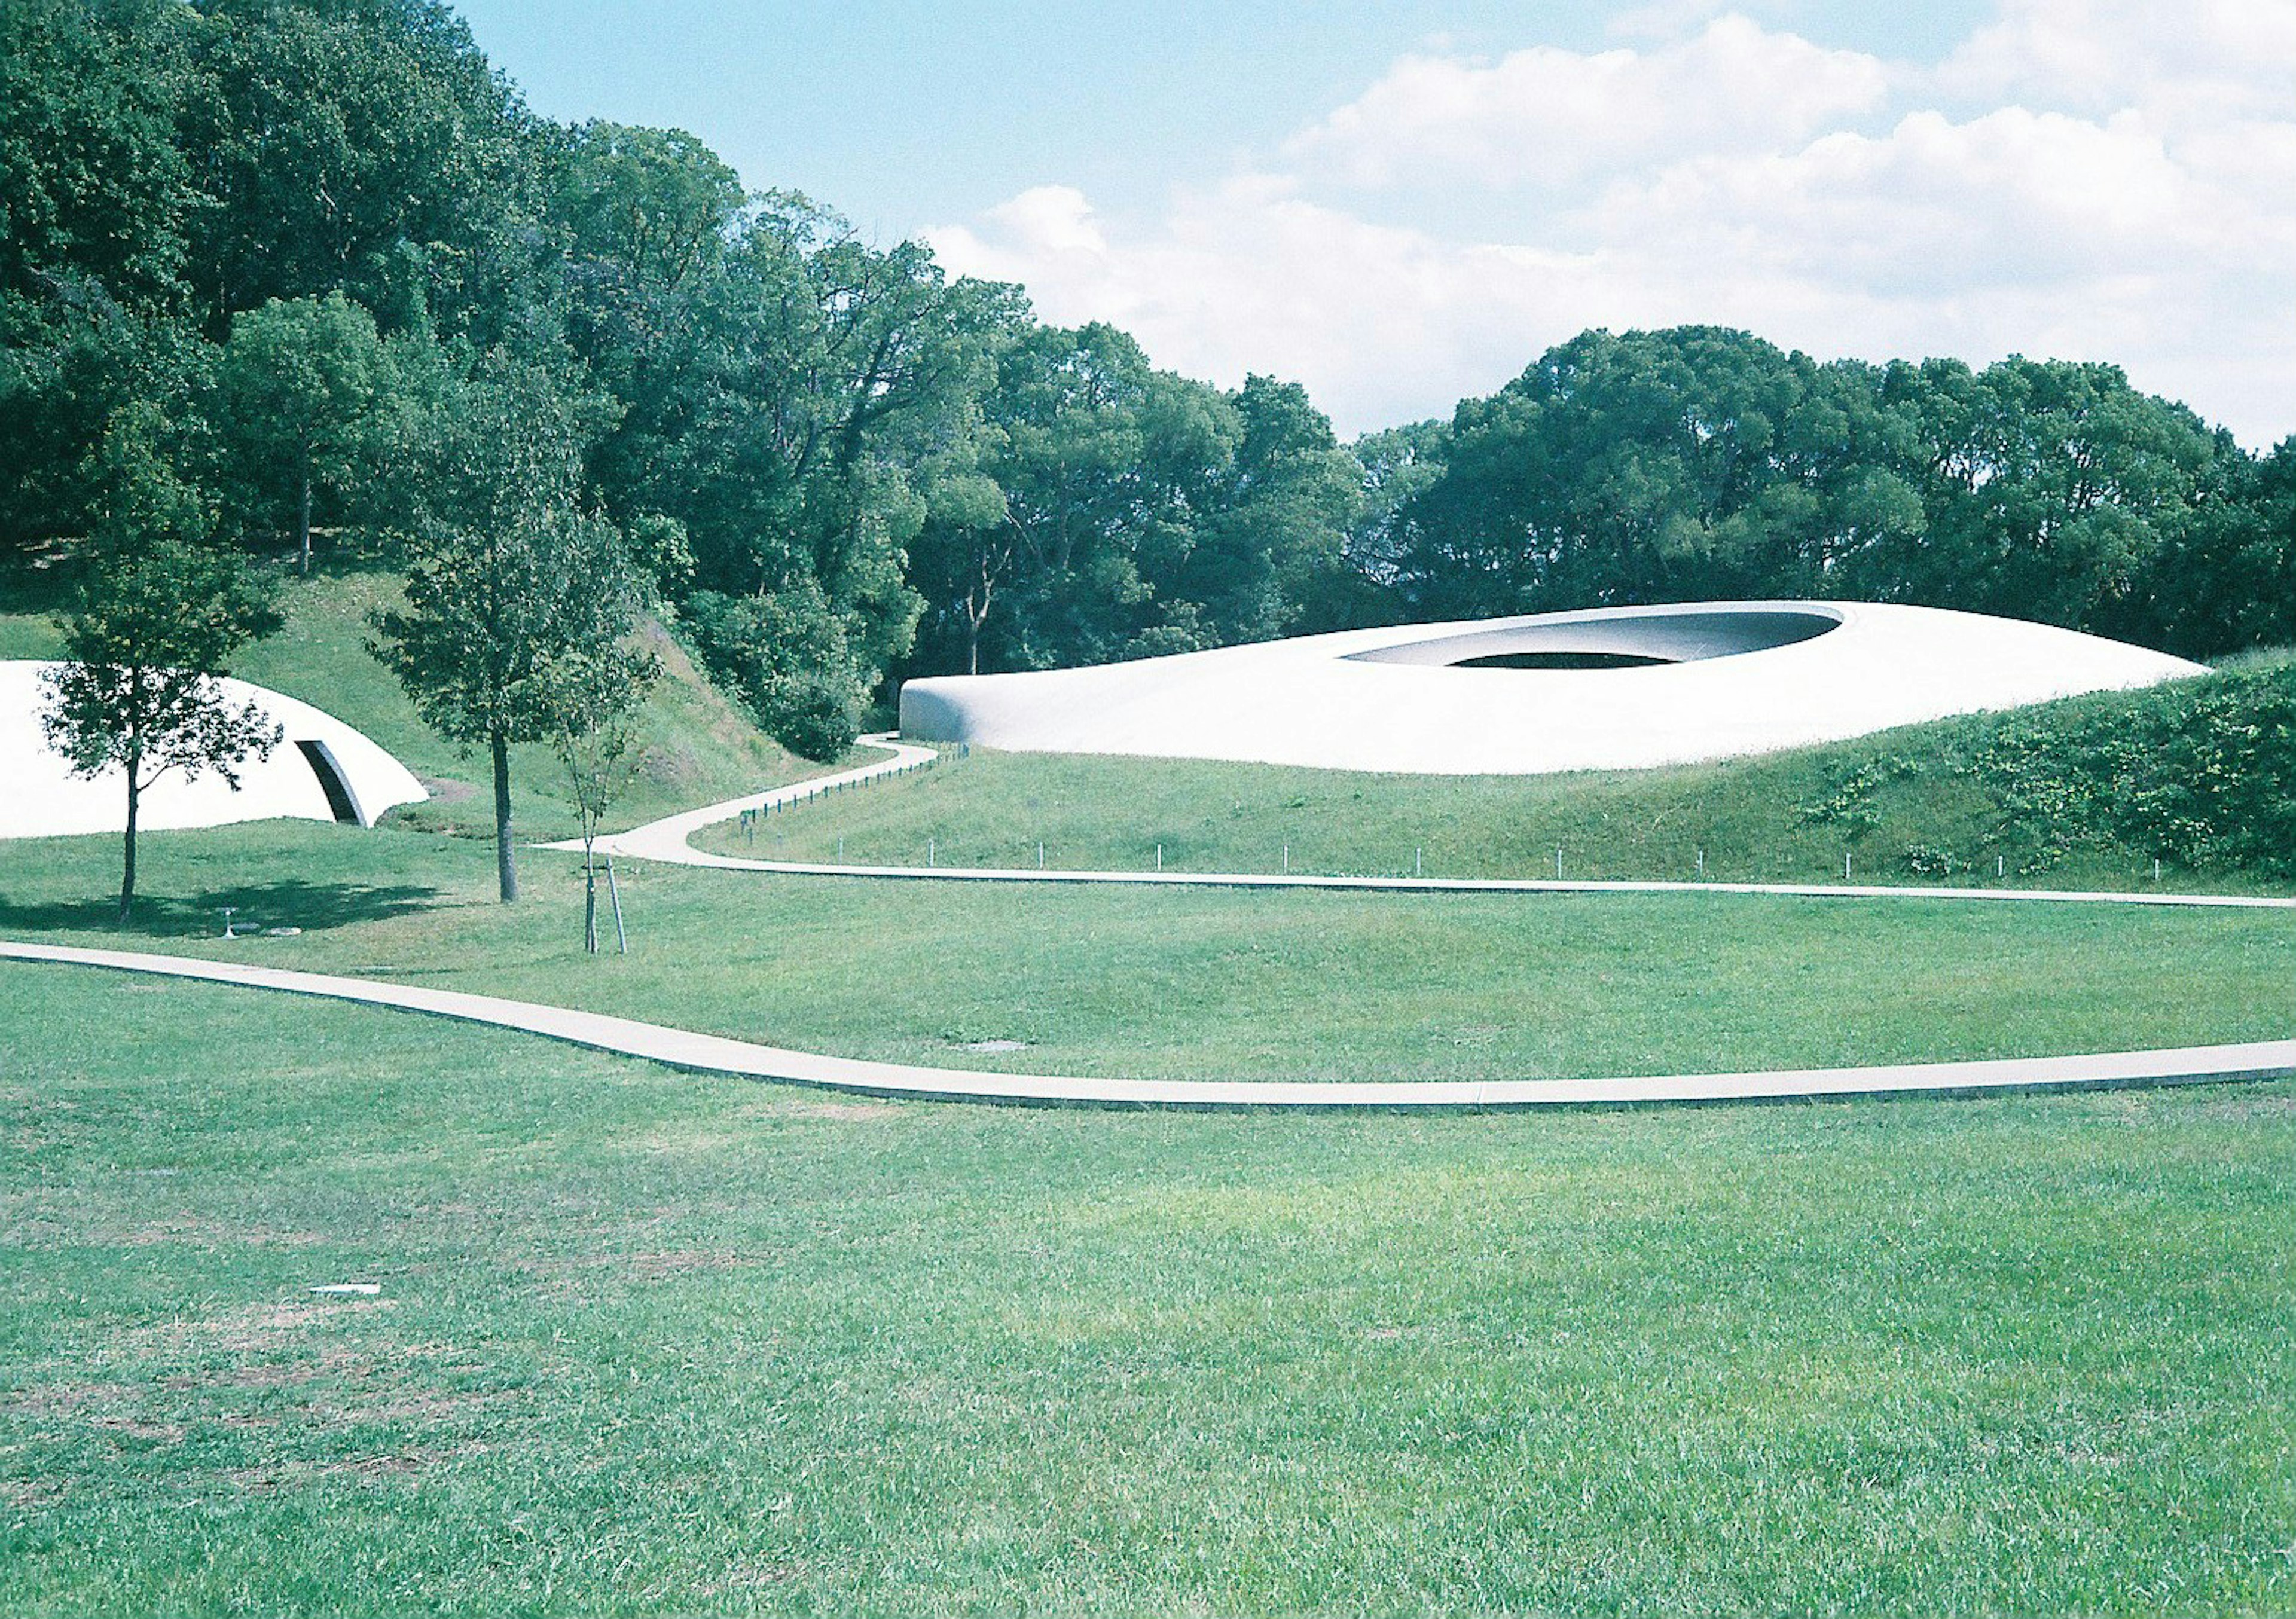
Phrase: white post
pixel 1287 860
pixel 1845 865
pixel 928 851
pixel 1702 864
pixel 1040 854
pixel 1418 864
pixel 1160 857
pixel 840 851
pixel 1558 863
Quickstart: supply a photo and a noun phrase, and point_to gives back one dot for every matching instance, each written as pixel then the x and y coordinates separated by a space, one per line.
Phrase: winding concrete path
pixel 714 1054
pixel 666 841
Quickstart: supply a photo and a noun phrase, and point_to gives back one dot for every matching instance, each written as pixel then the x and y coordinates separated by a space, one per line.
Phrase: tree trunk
pixel 589 901
pixel 306 522
pixel 505 856
pixel 128 853
pixel 972 642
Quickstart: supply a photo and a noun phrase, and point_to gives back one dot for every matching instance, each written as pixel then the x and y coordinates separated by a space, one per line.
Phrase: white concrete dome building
pixel 323 770
pixel 1610 688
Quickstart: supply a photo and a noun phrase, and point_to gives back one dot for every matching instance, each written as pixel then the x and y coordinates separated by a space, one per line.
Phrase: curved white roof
pixel 44 799
pixel 1685 683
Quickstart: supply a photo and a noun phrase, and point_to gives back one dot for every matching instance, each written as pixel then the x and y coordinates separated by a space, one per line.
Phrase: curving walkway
pixel 714 1054
pixel 666 841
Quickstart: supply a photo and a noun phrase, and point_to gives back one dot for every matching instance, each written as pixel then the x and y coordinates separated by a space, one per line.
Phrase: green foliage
pixel 157 613
pixel 2203 775
pixel 297 226
pixel 137 687
pixel 1101 508
pixel 364 146
pixel 522 601
pixel 301 389
pixel 1704 463
pixel 97 187
pixel 788 655
pixel 1849 801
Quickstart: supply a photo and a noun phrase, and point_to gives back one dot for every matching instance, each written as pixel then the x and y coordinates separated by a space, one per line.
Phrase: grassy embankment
pixel 698 747
pixel 649 1342
pixel 2085 792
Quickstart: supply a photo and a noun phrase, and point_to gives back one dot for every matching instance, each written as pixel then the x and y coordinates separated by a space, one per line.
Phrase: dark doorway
pixel 331 782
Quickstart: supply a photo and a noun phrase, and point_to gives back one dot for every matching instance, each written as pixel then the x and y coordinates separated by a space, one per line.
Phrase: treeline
pixel 289 242
pixel 280 247
pixel 1702 463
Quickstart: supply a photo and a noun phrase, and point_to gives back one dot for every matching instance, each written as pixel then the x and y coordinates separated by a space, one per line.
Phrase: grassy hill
pixel 697 745
pixel 2199 773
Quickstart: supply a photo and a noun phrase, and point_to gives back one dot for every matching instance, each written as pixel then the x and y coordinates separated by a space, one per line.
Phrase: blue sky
pixel 904 114
pixel 1400 201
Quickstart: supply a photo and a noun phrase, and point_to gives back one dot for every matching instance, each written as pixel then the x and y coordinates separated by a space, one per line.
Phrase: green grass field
pixel 653 1344
pixel 1209 984
pixel 650 1343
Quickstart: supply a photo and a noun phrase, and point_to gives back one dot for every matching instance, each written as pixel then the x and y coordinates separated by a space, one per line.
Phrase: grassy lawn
pixel 1209 984
pixel 648 1343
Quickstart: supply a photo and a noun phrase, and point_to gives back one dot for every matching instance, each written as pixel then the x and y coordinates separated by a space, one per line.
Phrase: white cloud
pixel 1548 116
pixel 1998 202
pixel 2180 58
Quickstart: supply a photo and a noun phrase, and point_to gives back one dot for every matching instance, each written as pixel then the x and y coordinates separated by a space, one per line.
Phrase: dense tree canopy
pixel 303 234
pixel 1699 462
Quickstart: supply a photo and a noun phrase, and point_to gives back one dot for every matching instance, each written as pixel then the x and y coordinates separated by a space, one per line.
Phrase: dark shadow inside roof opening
pixel 1563 661
pixel 1627 641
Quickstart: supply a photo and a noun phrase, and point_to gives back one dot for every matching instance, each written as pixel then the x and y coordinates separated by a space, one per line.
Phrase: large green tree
pixel 515 588
pixel 1699 462
pixel 300 387
pixel 364 146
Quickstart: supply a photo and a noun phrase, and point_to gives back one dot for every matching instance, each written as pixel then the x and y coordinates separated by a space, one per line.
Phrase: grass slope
pixel 1211 983
pixel 653 1344
pixel 697 746
pixel 2083 792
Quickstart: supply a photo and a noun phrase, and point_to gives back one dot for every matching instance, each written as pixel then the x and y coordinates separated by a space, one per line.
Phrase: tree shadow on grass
pixel 313 907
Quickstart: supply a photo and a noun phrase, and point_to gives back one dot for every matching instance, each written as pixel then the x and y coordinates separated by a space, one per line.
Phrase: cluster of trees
pixel 1702 463
pixel 298 229
pixel 281 278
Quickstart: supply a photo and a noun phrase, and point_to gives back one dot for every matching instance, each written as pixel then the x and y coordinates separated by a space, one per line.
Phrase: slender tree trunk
pixel 128 853
pixel 305 521
pixel 589 899
pixel 505 856
pixel 972 642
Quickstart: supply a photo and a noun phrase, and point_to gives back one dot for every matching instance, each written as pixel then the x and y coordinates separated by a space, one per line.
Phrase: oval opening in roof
pixel 1629 640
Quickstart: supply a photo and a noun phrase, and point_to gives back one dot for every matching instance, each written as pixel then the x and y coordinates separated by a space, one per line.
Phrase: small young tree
pixel 590 690
pixel 595 701
pixel 510 572
pixel 156 614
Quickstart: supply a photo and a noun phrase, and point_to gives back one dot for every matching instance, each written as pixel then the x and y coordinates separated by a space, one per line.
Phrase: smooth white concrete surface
pixel 665 840
pixel 44 799
pixel 711 1053
pixel 1733 678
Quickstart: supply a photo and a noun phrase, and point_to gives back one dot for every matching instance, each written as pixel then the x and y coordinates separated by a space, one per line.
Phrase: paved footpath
pixel 711 1053
pixel 666 841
